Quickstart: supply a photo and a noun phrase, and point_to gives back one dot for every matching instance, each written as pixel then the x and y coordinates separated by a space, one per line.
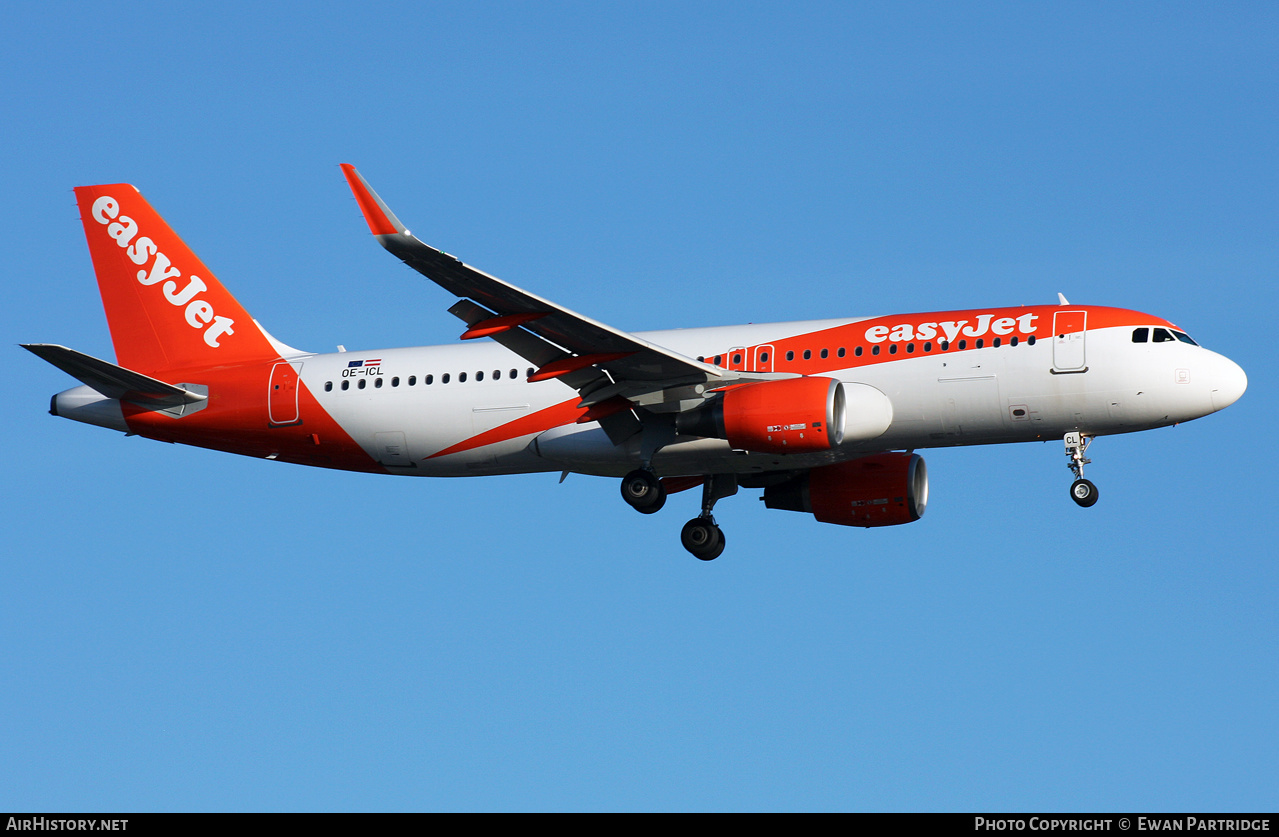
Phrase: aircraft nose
pixel 1228 383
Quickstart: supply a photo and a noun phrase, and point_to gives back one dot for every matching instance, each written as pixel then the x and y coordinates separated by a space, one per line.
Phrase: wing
pixel 601 362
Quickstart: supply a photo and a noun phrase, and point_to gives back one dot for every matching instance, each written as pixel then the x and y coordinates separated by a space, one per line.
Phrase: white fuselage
pixel 1012 393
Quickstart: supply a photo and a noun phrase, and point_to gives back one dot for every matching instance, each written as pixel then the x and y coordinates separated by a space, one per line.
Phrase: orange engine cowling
pixel 795 415
pixel 882 490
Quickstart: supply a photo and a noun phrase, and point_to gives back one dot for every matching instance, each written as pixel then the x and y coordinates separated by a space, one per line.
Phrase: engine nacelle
pixel 795 415
pixel 887 489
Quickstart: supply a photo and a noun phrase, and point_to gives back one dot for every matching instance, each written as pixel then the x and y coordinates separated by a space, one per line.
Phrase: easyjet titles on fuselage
pixel 951 329
pixel 199 313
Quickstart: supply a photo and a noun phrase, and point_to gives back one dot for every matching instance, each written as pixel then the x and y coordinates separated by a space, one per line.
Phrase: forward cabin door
pixel 1069 329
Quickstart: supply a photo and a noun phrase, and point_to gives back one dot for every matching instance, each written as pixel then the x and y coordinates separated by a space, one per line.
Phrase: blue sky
pixel 182 629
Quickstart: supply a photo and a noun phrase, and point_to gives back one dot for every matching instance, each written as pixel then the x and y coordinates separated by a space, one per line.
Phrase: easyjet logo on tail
pixel 198 312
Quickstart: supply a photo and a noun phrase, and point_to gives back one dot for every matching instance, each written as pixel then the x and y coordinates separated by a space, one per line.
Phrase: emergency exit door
pixel 282 399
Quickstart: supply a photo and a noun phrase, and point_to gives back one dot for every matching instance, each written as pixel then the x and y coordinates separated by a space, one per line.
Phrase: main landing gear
pixel 643 491
pixel 1082 491
pixel 701 536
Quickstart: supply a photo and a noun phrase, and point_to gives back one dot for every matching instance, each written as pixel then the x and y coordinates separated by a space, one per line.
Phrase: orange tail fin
pixel 166 310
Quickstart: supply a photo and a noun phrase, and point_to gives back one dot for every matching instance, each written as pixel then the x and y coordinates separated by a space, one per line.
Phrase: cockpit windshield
pixel 1160 335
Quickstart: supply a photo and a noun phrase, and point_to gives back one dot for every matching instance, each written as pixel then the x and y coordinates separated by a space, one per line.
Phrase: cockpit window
pixel 1161 335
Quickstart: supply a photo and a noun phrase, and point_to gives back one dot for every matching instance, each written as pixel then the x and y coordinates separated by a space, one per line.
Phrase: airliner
pixel 824 416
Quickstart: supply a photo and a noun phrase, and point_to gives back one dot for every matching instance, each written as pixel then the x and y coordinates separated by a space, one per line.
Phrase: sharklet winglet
pixel 377 214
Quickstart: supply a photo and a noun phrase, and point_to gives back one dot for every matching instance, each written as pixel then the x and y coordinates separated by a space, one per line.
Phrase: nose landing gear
pixel 1082 491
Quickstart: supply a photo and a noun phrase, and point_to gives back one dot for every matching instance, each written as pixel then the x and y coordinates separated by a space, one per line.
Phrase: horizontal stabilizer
pixel 114 381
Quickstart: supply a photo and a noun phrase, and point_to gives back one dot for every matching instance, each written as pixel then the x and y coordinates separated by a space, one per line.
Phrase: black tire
pixel 1083 492
pixel 643 491
pixel 703 539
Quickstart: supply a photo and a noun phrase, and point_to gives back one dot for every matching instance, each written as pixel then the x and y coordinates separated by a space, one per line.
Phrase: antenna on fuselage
pixel 1061 299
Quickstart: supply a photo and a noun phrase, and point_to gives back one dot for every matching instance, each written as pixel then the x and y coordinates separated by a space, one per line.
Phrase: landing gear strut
pixel 643 491
pixel 701 536
pixel 1082 491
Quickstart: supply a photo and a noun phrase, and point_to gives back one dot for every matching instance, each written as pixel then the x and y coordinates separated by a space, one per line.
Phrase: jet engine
pixel 795 415
pixel 882 490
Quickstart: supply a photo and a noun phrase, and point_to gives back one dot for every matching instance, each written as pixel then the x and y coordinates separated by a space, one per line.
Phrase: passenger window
pixel 910 348
pixel 763 357
pixel 1140 335
pixel 825 353
pixel 981 343
pixel 858 351
pixel 346 385
pixel 1013 341
pixel 461 377
pixel 874 350
pixel 808 354
pixel 944 345
pixel 790 355
pixel 997 342
pixel 841 351
pixel 444 379
pixel 892 349
pixel 963 344
pixel 928 347
pixel 328 386
pixel 428 380
pixel 395 382
pixel 737 359
pixel 377 383
pixel 514 374
pixel 1030 341
pixel 497 374
pixel 362 382
pixel 479 376
pixel 413 380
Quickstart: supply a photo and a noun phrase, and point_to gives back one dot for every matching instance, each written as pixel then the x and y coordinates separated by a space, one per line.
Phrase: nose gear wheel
pixel 1082 491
